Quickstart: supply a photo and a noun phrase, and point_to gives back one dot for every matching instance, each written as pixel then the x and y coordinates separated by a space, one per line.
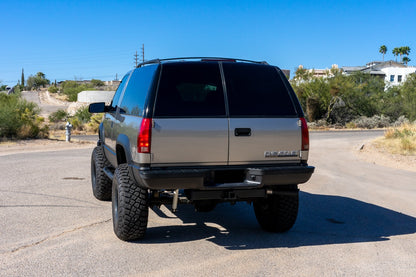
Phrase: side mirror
pixel 97 108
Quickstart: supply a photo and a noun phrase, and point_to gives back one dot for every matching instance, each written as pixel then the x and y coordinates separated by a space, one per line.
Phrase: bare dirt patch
pixel 375 153
pixel 41 145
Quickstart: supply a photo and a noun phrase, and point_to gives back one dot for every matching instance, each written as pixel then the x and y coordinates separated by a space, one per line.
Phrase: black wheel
pixel 130 206
pixel 277 213
pixel 101 184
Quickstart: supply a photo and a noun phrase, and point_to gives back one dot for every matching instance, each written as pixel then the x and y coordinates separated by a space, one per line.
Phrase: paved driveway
pixel 355 219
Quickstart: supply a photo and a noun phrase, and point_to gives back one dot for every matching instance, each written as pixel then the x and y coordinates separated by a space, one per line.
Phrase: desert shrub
pixel 402 120
pixel 351 125
pixel 97 83
pixel 372 122
pixel 83 115
pixel 94 122
pixel 72 88
pixel 53 89
pixel 403 131
pixel 402 139
pixel 83 120
pixel 76 123
pixel 341 98
pixel 20 119
pixel 319 124
pixel 408 145
pixel 59 115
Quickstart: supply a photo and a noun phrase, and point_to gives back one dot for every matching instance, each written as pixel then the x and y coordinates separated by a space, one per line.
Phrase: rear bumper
pixel 205 178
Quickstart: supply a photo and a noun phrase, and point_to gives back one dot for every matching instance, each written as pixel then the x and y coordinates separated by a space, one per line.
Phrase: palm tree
pixel 401 53
pixel 406 60
pixel 396 52
pixel 383 50
pixel 406 50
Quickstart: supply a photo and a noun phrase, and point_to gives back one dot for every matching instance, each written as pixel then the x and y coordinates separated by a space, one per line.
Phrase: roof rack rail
pixel 154 61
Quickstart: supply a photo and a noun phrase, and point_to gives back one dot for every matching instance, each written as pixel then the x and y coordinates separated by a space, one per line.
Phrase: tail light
pixel 305 134
pixel 145 136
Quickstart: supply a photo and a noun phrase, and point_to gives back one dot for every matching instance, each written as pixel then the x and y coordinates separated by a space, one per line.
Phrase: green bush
pixel 19 118
pixel 53 89
pixel 97 83
pixel 340 98
pixel 59 115
pixel 371 122
pixel 76 123
pixel 72 88
pixel 83 115
pixel 94 123
pixel 81 119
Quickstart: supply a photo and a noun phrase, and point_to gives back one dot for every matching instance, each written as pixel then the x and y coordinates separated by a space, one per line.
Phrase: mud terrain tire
pixel 277 213
pixel 130 206
pixel 101 184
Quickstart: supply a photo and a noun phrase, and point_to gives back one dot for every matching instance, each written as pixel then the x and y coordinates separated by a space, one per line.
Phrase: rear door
pixel 110 121
pixel 264 123
pixel 190 124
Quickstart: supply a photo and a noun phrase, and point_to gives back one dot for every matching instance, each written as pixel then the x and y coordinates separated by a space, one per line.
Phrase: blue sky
pixel 70 40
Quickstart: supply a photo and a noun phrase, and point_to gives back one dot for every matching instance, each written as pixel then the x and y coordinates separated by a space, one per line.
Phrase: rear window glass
pixel 256 90
pixel 190 90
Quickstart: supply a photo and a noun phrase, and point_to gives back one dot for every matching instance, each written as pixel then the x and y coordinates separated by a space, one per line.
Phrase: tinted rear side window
pixel 190 90
pixel 119 91
pixel 256 90
pixel 137 89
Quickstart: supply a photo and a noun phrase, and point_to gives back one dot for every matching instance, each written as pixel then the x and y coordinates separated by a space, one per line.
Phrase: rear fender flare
pixel 123 145
pixel 101 132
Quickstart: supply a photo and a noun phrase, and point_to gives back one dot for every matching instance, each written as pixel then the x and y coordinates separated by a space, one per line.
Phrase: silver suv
pixel 201 131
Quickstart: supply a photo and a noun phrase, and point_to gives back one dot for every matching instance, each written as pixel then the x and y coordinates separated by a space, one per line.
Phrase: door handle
pixel 242 132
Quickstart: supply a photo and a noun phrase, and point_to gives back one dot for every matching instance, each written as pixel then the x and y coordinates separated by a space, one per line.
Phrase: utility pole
pixel 136 59
pixel 137 56
pixel 143 52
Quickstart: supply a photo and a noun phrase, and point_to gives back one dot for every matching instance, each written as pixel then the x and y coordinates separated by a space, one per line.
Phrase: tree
pixel 401 51
pixel 408 94
pixel 37 81
pixel 396 52
pixel 383 50
pixel 97 83
pixel 406 50
pixel 302 74
pixel 23 78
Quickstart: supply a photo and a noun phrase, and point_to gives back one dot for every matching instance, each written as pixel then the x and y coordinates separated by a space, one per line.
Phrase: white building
pixel 91 96
pixel 395 76
pixel 392 72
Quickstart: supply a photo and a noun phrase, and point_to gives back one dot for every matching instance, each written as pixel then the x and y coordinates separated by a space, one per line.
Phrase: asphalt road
pixel 355 219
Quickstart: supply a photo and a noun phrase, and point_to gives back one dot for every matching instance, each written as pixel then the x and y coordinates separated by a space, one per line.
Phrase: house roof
pixel 352 68
pixel 374 68
pixel 377 72
pixel 387 64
